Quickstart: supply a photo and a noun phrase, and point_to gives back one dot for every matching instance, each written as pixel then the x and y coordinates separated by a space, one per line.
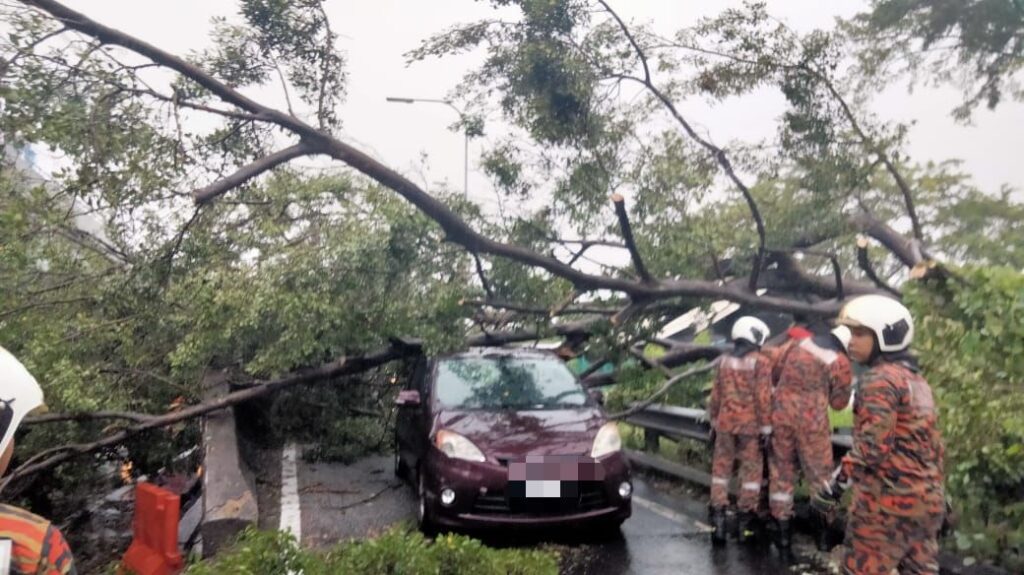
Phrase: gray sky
pixel 375 35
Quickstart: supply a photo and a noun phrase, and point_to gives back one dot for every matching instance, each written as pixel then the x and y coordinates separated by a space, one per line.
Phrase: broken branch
pixel 864 261
pixel 342 366
pixel 627 236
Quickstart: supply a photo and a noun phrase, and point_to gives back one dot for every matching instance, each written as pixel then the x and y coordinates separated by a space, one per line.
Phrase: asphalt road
pixel 328 503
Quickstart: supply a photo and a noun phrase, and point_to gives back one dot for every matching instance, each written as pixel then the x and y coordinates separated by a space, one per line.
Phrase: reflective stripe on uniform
pixel 745 363
pixel 752 486
pixel 719 481
pixel 825 356
pixel 782 497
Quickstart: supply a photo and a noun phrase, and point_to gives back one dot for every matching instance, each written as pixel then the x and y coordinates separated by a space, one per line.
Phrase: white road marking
pixel 670 514
pixel 291 511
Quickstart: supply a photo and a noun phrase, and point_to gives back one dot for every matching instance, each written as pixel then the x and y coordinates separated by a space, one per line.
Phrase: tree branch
pixel 534 310
pixel 627 236
pixel 906 250
pixel 250 171
pixel 869 270
pixel 342 366
pixel 87 416
pixel 719 154
pixel 664 389
pixel 866 141
pixel 456 229
pixel 789 264
pixel 682 353
pixel 641 54
pixel 872 146
pixel 588 243
pixel 483 278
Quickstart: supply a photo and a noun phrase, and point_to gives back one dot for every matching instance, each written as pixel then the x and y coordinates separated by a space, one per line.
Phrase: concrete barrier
pixel 229 496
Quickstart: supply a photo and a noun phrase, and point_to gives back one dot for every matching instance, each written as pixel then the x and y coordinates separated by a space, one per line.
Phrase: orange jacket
pixel 741 397
pixel 897 456
pixel 38 548
pixel 809 376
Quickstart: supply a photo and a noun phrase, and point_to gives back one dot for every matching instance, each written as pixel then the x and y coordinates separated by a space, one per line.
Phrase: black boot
pixel 783 534
pixel 822 538
pixel 747 527
pixel 718 536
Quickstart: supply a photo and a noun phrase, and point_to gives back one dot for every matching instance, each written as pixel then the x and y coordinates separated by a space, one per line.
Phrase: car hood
pixel 516 434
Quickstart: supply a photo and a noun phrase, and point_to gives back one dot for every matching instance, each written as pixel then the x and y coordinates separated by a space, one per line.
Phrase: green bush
pixel 970 337
pixel 398 551
pixel 637 383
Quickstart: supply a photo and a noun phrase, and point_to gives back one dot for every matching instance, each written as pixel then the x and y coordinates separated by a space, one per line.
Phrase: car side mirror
pixel 408 398
pixel 597 395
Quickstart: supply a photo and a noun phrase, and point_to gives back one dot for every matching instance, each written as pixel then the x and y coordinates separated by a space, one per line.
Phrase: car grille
pixel 591 496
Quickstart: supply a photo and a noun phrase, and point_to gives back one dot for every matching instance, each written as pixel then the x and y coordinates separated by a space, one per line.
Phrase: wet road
pixel 327 503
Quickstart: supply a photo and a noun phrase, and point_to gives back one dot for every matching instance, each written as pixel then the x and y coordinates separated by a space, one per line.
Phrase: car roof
pixel 498 352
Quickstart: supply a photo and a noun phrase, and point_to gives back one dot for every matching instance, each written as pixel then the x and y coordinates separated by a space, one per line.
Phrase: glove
pixel 827 498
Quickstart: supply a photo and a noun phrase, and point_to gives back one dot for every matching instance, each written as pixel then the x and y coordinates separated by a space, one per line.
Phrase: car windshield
pixel 508 382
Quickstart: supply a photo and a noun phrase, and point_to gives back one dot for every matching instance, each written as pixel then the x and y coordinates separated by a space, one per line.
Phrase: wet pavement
pixel 665 535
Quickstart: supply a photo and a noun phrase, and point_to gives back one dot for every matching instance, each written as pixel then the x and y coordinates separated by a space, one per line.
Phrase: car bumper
pixel 474 521
pixel 481 501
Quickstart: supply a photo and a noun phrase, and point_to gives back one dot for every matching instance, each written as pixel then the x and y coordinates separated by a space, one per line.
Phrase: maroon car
pixel 508 437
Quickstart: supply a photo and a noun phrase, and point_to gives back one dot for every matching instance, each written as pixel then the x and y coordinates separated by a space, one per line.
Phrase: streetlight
pixel 462 119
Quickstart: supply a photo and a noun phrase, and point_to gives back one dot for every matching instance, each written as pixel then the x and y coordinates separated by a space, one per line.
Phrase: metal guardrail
pixel 689 423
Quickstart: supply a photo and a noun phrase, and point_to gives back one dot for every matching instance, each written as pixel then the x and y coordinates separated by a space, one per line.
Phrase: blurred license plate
pixel 551 477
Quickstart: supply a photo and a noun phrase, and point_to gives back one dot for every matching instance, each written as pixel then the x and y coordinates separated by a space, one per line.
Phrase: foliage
pixel 824 163
pixel 978 44
pixel 398 550
pixel 970 336
pixel 118 293
pixel 634 383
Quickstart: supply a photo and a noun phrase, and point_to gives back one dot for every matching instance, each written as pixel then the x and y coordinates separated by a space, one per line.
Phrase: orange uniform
pixel 895 468
pixel 38 548
pixel 811 373
pixel 740 409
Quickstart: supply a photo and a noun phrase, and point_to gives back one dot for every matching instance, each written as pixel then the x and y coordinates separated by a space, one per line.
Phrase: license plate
pixel 551 477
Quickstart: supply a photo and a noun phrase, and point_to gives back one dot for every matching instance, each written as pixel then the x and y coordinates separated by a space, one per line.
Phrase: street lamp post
pixel 462 119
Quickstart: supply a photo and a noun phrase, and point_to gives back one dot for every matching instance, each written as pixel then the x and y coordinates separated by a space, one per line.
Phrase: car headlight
pixel 607 441
pixel 458 447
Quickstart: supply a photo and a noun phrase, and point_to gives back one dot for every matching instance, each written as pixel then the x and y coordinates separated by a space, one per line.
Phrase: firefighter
pixel 811 372
pixel 740 412
pixel 33 544
pixel 895 466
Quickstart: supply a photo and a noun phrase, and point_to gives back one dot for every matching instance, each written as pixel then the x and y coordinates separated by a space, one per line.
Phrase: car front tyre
pixel 424 519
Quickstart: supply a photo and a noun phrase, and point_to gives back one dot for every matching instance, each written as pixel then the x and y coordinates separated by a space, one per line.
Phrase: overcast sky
pixel 375 35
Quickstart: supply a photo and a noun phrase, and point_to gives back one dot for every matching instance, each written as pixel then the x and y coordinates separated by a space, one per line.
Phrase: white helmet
pixel 19 394
pixel 751 329
pixel 888 318
pixel 842 333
